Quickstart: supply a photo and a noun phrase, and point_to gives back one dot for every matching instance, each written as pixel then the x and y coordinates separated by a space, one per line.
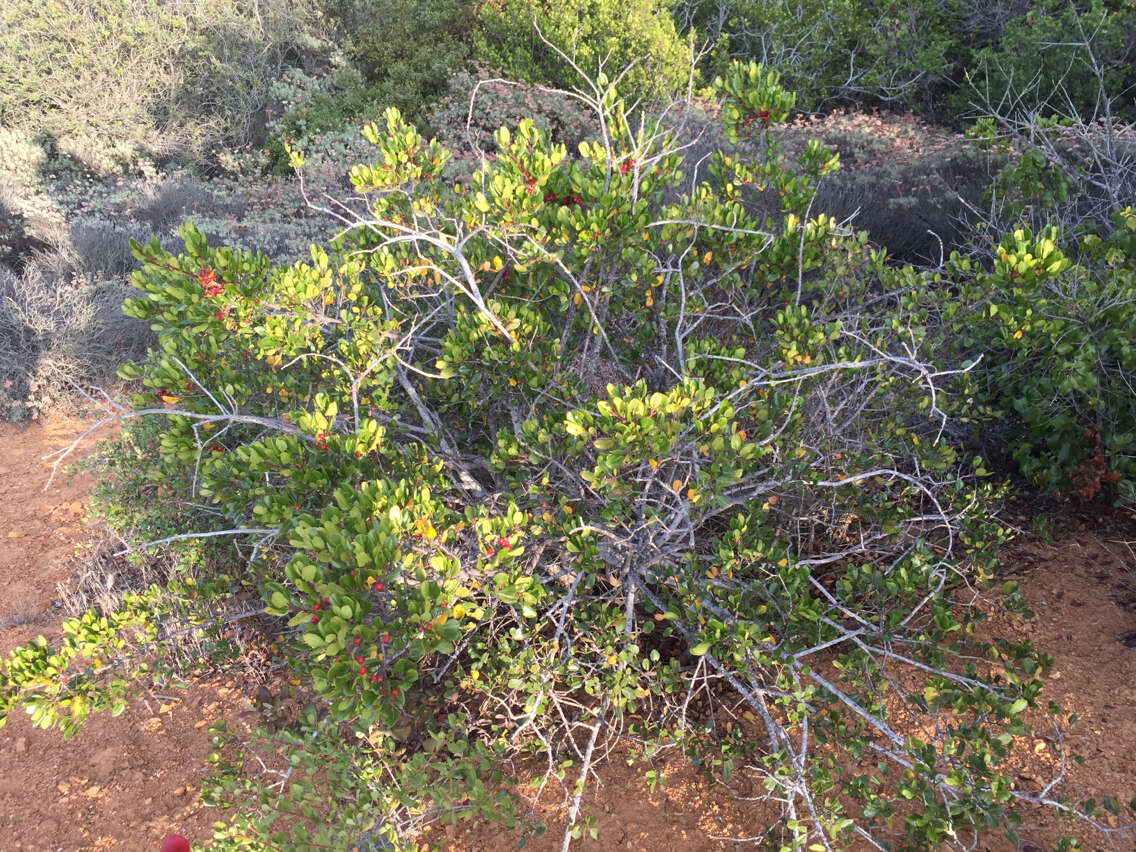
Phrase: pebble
pixel 21 745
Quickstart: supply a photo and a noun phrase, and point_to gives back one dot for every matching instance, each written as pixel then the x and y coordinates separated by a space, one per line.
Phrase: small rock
pixel 21 745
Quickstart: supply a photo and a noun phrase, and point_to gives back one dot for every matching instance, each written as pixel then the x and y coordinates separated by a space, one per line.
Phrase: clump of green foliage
pixel 406 50
pixel 1053 325
pixel 539 42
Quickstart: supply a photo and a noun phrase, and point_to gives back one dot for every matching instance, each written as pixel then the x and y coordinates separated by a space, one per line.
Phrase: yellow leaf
pixel 577 299
pixel 612 659
pixel 782 562
pixel 1018 334
pixel 677 484
pixel 169 399
pixel 691 494
pixel 459 610
pixel 707 257
pixel 817 847
pixel 424 528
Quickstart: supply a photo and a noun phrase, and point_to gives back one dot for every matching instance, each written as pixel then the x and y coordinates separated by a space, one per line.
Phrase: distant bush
pixel 1053 324
pixel 406 49
pixel 940 58
pixel 321 113
pixel 466 120
pixel 833 52
pixel 614 33
pixel 1055 57
pixel 111 80
pixel 59 329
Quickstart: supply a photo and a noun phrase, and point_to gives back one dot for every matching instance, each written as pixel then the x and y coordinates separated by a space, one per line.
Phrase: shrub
pixel 112 80
pixel 834 52
pixel 522 466
pixel 529 39
pixel 58 330
pixel 1055 329
pixel 405 49
pixel 1057 57
pixel 475 106
pixel 317 113
pixel 15 242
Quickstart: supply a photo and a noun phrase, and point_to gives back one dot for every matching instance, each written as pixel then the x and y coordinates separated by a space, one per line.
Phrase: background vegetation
pixel 632 358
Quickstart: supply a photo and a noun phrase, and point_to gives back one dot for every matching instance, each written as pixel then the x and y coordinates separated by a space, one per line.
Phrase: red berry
pixel 374 677
pixel 358 659
pixel 315 619
pixel 394 692
pixel 362 670
pixel 502 543
pixel 386 638
pixel 175 843
pixel 357 640
pixel 379 587
pixel 316 607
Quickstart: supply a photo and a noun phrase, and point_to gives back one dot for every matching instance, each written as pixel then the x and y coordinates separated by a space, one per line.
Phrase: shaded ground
pixel 124 783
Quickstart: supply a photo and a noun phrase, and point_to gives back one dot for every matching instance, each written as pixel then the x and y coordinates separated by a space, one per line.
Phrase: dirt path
pixel 124 783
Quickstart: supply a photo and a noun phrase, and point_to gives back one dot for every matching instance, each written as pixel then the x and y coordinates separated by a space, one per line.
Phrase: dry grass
pixel 60 328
